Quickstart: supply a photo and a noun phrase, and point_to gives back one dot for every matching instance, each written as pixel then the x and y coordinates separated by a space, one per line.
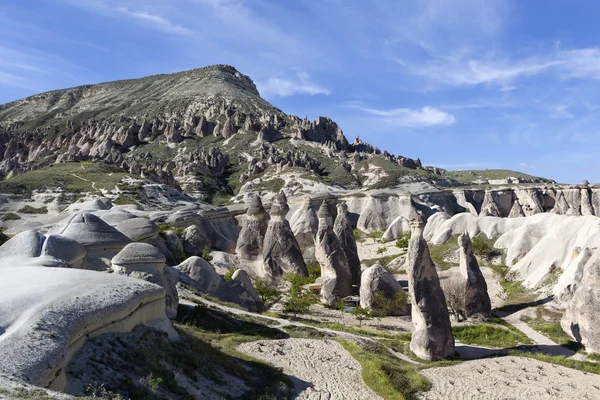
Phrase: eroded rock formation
pixel 342 228
pixel 432 338
pixel 281 251
pixel 477 299
pixel 336 279
pixel 377 279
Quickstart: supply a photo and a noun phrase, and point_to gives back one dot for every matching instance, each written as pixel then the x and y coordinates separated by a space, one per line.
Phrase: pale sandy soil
pixel 510 378
pixel 320 369
pixel 367 249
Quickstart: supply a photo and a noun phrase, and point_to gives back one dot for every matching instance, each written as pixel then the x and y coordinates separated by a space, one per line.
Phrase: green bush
pixel 375 235
pixel 383 305
pixel 206 254
pixel 32 210
pixel 299 302
pixel 265 290
pixel 314 271
pixel 361 314
pixel 9 217
pixel 358 235
pixel 402 242
pixel 229 274
pixel 484 247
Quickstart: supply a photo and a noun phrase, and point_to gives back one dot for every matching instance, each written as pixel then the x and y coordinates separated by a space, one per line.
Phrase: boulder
pixel 342 228
pixel 336 279
pixel 201 276
pixel 23 244
pixel 581 320
pixel 397 228
pixel 64 249
pixel 144 261
pixel 432 338
pixel 114 216
pixel 477 299
pixel 138 229
pixel 281 251
pixel 377 279
pixel 195 239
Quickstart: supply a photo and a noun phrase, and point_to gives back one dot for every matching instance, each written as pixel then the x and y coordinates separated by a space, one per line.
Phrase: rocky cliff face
pixel 205 131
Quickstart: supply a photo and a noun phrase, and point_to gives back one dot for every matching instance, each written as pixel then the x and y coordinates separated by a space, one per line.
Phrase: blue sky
pixel 464 84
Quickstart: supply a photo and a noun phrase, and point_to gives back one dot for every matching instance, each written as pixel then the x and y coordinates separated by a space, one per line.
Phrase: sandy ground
pixel 367 249
pixel 320 369
pixel 510 378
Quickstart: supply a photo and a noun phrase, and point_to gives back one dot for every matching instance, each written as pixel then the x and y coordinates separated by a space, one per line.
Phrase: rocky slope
pixel 206 132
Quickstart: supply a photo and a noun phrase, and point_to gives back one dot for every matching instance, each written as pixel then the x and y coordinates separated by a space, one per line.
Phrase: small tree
pixel 455 291
pixel 265 290
pixel 361 314
pixel 298 303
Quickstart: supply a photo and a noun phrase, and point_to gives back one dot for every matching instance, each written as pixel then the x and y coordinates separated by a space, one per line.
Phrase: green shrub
pixel 9 217
pixel 361 314
pixel 383 305
pixel 229 274
pixel 381 250
pixel 314 271
pixel 206 254
pixel 299 302
pixel 358 235
pixel 375 235
pixel 32 210
pixel 484 247
pixel 265 290
pixel 402 242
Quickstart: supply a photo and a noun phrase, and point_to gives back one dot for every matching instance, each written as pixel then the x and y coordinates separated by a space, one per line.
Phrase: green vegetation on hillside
pixel 469 176
pixel 72 177
pixel 489 335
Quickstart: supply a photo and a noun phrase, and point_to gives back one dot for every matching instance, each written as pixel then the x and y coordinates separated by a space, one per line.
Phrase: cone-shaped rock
pixel 343 230
pixel 144 261
pixel 561 206
pixel 432 338
pixel 93 233
pixel 304 223
pixel 281 251
pixel 581 320
pixel 336 280
pixel 250 242
pixel 477 299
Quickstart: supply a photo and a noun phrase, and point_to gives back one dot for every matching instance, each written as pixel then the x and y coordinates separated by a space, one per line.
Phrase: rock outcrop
pixel 47 315
pixel 336 279
pixel 101 241
pixel 432 338
pixel 201 276
pixel 342 228
pixel 377 279
pixel 281 251
pixel 581 320
pixel 252 236
pixel 144 261
pixel 304 224
pixel 477 299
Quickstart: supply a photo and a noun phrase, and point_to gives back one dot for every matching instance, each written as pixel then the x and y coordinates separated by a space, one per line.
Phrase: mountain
pixel 206 132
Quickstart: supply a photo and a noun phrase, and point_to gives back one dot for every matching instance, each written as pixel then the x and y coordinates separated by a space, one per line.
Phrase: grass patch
pixel 517 295
pixel 590 367
pixel 439 252
pixel 547 323
pixel 489 335
pixel 123 200
pixel 33 210
pixel 72 177
pixel 10 217
pixel 388 376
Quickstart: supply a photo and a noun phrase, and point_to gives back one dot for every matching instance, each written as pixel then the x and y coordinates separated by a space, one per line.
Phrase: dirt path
pixel 320 369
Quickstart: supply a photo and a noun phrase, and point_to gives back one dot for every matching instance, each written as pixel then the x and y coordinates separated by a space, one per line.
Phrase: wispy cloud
pixel 157 21
pixel 411 118
pixel 285 87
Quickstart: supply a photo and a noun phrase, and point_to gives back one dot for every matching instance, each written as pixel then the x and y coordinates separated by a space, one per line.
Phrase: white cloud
pixel 284 87
pixel 157 21
pixel 413 118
